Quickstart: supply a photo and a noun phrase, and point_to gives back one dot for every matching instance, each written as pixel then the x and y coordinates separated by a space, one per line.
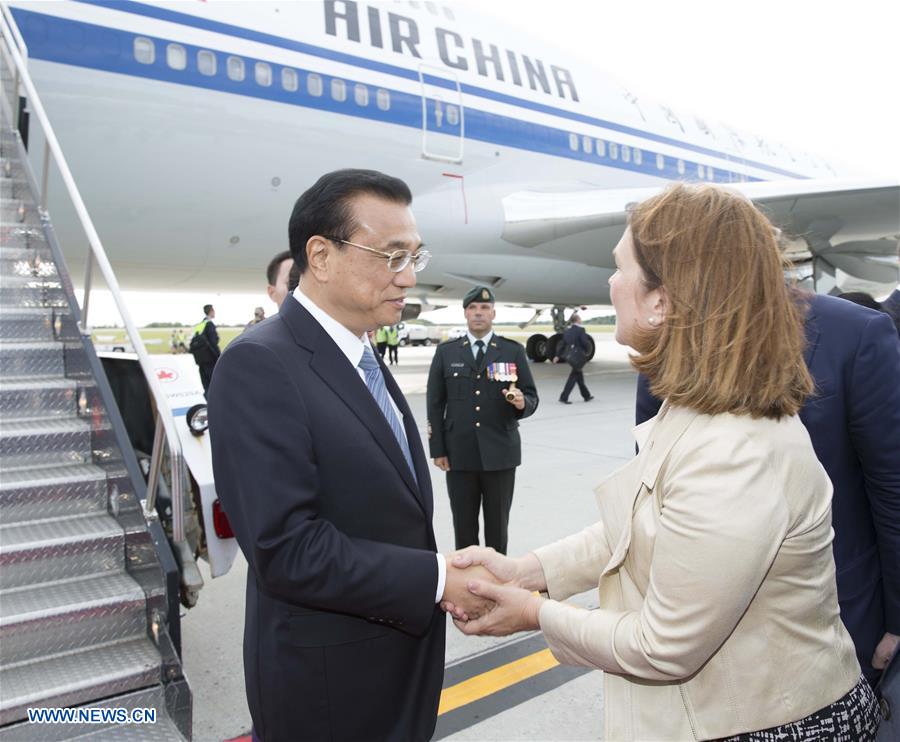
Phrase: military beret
pixel 479 293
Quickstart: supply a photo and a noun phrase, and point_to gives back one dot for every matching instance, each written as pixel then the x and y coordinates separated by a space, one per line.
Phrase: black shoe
pixel 589 398
pixel 565 401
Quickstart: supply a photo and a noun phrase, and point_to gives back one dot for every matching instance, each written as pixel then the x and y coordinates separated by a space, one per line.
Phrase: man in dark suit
pixel 854 423
pixel 575 348
pixel 474 408
pixel 321 471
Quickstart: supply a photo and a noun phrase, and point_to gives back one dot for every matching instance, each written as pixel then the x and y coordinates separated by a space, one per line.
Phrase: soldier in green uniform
pixel 479 387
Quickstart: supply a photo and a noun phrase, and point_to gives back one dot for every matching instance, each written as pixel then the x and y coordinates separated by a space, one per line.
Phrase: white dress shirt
pixel 486 340
pixel 353 347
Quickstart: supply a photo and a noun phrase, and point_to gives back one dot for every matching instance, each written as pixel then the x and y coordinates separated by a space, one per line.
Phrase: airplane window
pixel 452 115
pixel 338 90
pixel 449 13
pixel 432 8
pixel 613 151
pixel 383 99
pixel 660 162
pixel 314 84
pixel 361 94
pixel 587 144
pixel 626 153
pixel 710 173
pixel 681 167
pixel 573 142
pixel 263 74
pixel 701 173
pixel 289 79
pixel 638 156
pixel 144 50
pixel 235 68
pixel 601 148
pixel 176 56
pixel 206 63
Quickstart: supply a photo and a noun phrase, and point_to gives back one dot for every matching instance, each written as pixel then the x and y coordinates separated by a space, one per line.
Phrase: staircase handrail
pixel 10 32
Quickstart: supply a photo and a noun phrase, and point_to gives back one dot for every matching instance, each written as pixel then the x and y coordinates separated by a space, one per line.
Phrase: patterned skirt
pixel 853 718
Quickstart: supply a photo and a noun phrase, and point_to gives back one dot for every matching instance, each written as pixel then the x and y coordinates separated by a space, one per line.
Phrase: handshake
pixel 490 594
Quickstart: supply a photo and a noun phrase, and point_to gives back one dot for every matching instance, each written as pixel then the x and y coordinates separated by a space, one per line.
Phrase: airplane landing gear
pixel 540 348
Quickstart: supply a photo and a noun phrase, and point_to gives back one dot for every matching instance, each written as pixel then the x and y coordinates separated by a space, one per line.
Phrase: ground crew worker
pixel 381 340
pixel 473 411
pixel 205 346
pixel 393 342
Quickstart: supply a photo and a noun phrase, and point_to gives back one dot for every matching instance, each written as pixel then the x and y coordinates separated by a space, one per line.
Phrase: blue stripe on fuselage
pixel 98 47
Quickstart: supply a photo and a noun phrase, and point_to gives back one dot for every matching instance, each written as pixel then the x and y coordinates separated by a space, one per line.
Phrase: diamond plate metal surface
pixel 163 730
pixel 23 325
pixel 44 442
pixel 75 678
pixel 19 211
pixel 38 397
pixel 32 292
pixel 35 552
pixel 63 616
pixel 14 235
pixel 19 360
pixel 42 494
pixel 14 188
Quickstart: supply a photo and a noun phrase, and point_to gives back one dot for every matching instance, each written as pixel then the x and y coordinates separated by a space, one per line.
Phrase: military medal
pixel 505 372
pixel 513 377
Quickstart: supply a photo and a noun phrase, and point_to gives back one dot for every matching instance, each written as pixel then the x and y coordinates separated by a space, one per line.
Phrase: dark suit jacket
pixel 469 420
pixel 854 423
pixel 343 640
pixel 576 335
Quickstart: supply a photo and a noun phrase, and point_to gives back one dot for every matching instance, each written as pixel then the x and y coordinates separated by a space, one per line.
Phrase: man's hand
pixel 885 650
pixel 456 590
pixel 517 399
pixel 515 610
pixel 442 463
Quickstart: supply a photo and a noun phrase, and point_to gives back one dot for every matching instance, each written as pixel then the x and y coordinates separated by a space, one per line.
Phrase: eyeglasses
pixel 396 260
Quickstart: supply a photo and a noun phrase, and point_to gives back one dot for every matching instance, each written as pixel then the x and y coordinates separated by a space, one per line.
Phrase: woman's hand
pixel 516 609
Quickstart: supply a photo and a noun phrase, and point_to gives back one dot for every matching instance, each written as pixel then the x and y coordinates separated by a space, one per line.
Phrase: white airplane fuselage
pixel 191 129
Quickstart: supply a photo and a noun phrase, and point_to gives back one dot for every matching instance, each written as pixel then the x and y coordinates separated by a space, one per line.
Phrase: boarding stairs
pixel 84 598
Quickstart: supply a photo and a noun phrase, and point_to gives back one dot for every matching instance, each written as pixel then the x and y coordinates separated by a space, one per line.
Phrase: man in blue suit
pixel 320 468
pixel 854 423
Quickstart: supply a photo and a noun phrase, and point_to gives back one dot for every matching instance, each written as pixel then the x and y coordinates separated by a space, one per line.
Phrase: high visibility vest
pixel 393 336
pixel 200 327
pixel 381 335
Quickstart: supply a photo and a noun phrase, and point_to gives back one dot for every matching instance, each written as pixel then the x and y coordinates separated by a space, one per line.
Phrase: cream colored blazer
pixel 718 606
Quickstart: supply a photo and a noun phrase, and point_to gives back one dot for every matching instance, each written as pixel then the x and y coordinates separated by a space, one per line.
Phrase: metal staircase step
pixel 19 360
pixel 31 291
pixel 14 236
pixel 44 442
pixel 59 617
pixel 19 211
pixel 77 677
pixel 163 729
pixel 41 397
pixel 27 261
pixel 14 188
pixel 60 549
pixel 53 492
pixel 31 325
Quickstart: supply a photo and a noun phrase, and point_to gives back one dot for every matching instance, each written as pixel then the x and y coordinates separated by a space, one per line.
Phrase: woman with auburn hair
pixel 718 611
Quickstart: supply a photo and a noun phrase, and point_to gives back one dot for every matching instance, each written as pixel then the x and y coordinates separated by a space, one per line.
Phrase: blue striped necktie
pixel 375 382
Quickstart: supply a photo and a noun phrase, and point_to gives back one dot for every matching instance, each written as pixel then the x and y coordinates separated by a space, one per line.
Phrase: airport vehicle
pixel 413 334
pixel 189 129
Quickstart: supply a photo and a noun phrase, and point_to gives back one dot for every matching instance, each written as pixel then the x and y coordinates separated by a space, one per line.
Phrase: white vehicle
pixel 411 334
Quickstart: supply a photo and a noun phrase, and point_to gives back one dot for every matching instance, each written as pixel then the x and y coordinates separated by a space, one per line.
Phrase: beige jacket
pixel 718 606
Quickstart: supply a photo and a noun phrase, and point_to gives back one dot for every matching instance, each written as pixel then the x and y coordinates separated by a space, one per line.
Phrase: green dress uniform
pixel 471 423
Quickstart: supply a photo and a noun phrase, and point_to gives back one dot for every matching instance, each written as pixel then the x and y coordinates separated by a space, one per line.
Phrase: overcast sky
pixel 822 76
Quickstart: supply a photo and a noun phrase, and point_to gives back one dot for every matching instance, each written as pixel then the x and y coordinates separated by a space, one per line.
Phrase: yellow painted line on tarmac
pixel 492 681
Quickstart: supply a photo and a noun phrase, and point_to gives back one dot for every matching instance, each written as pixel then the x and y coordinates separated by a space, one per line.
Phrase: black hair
pixel 207 308
pixel 275 264
pixel 863 299
pixel 293 278
pixel 325 208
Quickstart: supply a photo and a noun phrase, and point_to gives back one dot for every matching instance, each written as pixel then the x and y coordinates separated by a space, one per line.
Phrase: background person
pixel 320 468
pixel 576 347
pixel 393 343
pixel 277 272
pixel 473 428
pixel 381 340
pixel 205 346
pixel 718 612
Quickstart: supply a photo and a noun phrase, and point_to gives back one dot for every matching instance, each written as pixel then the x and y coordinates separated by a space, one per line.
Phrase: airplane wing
pixel 848 225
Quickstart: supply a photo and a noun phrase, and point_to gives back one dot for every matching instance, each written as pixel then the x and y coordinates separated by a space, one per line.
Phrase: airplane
pixel 192 127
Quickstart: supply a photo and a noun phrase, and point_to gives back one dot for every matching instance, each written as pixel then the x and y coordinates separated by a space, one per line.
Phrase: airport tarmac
pixel 502 689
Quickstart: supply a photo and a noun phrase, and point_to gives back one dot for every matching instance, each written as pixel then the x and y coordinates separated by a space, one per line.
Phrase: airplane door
pixel 443 121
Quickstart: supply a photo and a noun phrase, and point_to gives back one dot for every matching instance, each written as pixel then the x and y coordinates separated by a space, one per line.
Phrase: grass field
pixel 158 339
